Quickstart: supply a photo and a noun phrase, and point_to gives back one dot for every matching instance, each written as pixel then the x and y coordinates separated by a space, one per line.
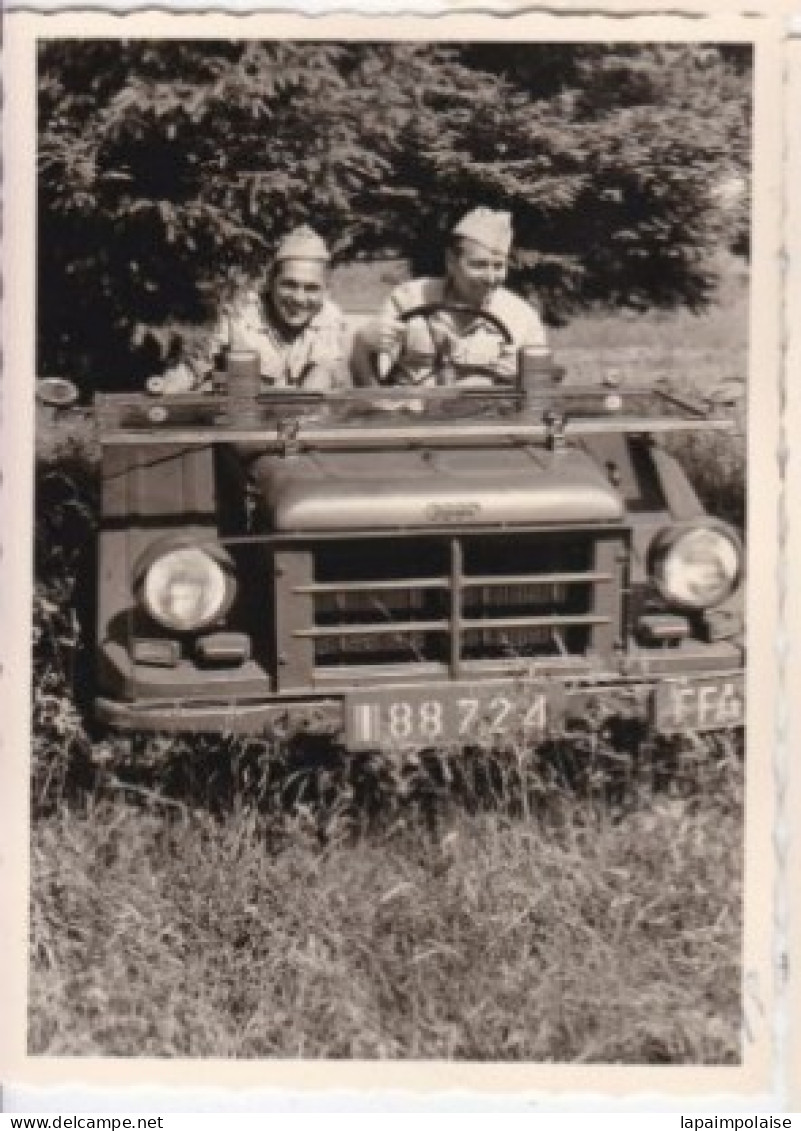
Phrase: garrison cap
pixel 302 243
pixel 492 230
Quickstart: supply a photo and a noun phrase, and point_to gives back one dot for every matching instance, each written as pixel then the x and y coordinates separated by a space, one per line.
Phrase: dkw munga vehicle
pixel 409 566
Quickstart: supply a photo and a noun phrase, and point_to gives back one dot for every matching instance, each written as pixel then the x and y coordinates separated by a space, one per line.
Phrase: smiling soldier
pixel 300 335
pixel 461 333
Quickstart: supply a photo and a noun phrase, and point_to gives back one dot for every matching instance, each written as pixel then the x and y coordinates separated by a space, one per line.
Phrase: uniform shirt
pixel 322 345
pixel 318 357
pixel 461 337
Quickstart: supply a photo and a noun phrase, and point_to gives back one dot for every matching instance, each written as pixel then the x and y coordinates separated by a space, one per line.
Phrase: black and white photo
pixel 399 402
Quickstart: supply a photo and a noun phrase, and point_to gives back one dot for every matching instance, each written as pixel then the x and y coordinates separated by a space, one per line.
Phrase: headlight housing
pixel 696 565
pixel 185 587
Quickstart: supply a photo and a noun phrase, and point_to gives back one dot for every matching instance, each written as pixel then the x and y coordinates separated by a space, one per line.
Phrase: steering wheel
pixel 425 310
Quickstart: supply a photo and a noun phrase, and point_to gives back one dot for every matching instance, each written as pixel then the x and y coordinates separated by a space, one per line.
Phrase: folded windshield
pixel 400 415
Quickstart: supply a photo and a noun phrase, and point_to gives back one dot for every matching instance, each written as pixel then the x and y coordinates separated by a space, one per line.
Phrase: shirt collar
pixel 448 295
pixel 487 305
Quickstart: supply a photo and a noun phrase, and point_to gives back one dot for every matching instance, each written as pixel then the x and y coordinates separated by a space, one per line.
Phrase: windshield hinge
pixel 555 422
pixel 288 431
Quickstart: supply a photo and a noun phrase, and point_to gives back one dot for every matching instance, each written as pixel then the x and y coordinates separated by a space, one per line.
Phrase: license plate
pixel 442 715
pixel 699 704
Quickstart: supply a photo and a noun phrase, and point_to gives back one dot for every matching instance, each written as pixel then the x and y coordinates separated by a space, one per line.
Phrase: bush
pixel 66 510
pixel 715 464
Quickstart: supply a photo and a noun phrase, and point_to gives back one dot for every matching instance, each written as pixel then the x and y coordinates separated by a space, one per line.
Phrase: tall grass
pixel 583 933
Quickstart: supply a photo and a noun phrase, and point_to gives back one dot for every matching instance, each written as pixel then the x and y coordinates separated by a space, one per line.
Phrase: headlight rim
pixel 162 548
pixel 666 539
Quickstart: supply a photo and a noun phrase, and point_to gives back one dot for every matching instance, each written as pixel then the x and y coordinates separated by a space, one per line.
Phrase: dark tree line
pixel 168 169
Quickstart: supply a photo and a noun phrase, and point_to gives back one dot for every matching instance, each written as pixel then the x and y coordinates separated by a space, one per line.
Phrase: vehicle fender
pixel 147 493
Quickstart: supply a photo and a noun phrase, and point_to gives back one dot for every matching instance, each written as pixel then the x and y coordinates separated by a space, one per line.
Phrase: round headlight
pixel 696 566
pixel 186 587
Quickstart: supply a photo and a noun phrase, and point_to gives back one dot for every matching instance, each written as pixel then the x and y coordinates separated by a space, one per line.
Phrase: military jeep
pixel 411 567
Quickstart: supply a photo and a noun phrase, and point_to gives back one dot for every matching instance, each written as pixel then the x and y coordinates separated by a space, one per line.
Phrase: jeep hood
pixel 328 491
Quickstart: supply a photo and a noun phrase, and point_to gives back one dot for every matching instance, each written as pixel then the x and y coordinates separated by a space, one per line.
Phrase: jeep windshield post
pixel 411 566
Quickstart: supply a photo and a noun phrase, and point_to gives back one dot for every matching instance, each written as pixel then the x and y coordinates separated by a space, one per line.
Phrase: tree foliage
pixel 168 169
pixel 610 158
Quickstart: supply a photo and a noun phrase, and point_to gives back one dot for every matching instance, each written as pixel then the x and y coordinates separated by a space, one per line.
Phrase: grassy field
pixel 577 932
pixel 580 902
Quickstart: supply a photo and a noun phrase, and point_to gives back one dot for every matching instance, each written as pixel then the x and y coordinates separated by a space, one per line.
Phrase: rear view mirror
pixel 56 392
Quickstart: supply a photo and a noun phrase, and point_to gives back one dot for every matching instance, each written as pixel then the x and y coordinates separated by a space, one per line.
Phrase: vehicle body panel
pixel 344 490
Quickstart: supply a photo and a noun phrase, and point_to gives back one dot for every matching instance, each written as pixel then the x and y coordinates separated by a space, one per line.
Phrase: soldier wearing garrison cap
pixel 476 264
pixel 300 335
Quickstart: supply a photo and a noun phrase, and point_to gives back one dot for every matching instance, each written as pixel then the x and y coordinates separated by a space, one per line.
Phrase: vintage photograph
pixel 390 549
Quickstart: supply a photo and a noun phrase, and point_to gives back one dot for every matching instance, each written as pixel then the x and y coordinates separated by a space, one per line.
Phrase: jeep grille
pixel 469 598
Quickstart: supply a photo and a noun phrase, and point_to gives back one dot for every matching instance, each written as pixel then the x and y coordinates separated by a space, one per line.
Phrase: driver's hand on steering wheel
pixel 487 354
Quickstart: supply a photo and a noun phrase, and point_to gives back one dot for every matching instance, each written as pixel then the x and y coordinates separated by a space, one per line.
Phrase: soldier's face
pixel 474 271
pixel 298 291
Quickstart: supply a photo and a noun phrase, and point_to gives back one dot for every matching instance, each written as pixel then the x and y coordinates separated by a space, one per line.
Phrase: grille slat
pixel 374 585
pixel 539 579
pixel 535 622
pixel 388 585
pixel 388 629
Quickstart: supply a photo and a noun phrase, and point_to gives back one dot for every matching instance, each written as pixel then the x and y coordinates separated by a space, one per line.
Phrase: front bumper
pixel 454 712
